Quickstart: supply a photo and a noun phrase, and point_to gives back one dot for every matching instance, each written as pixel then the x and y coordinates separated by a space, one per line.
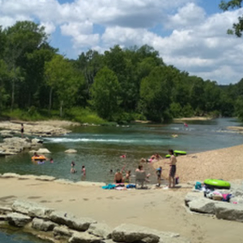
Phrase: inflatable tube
pixel 220 184
pixel 176 153
pixel 41 157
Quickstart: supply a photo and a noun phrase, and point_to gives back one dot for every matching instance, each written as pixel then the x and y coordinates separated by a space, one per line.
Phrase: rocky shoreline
pixel 40 129
pixel 62 226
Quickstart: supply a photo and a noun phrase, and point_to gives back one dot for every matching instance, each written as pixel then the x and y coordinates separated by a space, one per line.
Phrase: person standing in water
pixel 22 130
pixel 83 171
pixel 172 168
pixel 72 168
pixel 159 174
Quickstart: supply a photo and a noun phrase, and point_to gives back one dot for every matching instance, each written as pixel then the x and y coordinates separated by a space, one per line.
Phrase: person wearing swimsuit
pixel 172 168
pixel 118 177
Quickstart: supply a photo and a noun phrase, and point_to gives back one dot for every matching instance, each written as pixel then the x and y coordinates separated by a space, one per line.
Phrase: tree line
pixel 118 85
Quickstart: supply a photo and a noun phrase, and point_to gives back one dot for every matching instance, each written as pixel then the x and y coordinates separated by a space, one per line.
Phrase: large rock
pixel 80 224
pixel 101 230
pixel 62 231
pixel 229 211
pixel 131 233
pixel 17 219
pixel 190 196
pixel 42 225
pixel 36 141
pixel 84 237
pixel 32 209
pixel 202 205
pixel 5 210
pixel 71 151
pixel 43 151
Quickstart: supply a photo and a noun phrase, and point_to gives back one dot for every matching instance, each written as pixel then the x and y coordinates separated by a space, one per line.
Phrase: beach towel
pixel 109 187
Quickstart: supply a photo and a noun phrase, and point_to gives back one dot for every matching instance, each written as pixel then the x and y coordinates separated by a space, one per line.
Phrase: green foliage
pixel 120 85
pixel 104 93
pixel 83 115
pixel 237 27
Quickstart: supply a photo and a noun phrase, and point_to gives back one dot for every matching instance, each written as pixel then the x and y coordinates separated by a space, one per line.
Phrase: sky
pixel 188 34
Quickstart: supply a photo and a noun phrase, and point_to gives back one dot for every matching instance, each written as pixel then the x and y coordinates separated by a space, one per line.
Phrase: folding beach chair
pixel 141 179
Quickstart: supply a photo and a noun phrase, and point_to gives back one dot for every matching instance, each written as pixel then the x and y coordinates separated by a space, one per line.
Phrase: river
pixel 99 149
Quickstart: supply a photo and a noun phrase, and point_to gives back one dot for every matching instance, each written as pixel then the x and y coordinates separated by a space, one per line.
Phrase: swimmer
pixel 51 160
pixel 83 171
pixel 123 156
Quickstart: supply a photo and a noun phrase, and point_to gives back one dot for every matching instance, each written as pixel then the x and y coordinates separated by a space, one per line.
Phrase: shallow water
pixel 99 148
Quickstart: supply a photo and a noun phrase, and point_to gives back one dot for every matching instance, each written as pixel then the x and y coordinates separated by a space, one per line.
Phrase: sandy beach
pixel 161 209
pixel 226 164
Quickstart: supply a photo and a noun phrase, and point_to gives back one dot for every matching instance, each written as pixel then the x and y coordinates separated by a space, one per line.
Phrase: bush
pixel 84 115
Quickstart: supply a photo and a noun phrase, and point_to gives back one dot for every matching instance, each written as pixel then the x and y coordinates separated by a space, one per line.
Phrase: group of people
pixel 118 178
pixel 73 170
pixel 153 158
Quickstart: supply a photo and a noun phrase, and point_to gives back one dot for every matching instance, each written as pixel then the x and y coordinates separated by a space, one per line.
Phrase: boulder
pixel 17 219
pixel 5 210
pixel 236 200
pixel 84 237
pixel 10 175
pixel 192 196
pixel 32 209
pixel 202 205
pixel 80 224
pixel 3 217
pixel 71 151
pixel 131 233
pixel 100 230
pixel 42 225
pixel 36 141
pixel 229 211
pixel 43 151
pixel 6 134
pixel 60 231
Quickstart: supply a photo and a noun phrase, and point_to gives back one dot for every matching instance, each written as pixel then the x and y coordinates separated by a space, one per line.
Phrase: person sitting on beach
pixel 128 176
pixel 172 164
pixel 83 171
pixel 72 167
pixel 140 169
pixel 118 178
pixel 159 174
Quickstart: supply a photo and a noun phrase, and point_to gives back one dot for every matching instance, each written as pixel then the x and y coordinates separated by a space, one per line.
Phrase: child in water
pixel 72 168
pixel 83 171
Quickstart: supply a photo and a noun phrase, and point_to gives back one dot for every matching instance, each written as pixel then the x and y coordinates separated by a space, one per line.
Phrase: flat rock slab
pixel 78 237
pixel 190 196
pixel 71 151
pixel 80 224
pixel 43 151
pixel 202 205
pixel 17 219
pixel 32 209
pixel 100 230
pixel 5 210
pixel 62 231
pixel 229 211
pixel 43 225
pixel 131 233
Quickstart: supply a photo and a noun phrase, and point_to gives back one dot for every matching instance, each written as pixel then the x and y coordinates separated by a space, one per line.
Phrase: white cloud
pixel 185 35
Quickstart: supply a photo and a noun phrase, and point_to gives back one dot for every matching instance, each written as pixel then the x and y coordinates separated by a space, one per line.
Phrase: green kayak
pixel 176 153
pixel 220 184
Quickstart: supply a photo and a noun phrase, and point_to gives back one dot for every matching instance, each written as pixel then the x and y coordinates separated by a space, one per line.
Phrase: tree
pixel 155 93
pixel 62 78
pixel 104 93
pixel 22 38
pixel 233 4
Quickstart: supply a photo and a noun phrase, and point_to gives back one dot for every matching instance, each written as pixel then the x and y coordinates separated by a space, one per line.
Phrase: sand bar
pixel 224 164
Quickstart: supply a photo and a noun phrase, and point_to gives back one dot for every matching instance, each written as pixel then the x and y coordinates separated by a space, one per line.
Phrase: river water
pixel 100 148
